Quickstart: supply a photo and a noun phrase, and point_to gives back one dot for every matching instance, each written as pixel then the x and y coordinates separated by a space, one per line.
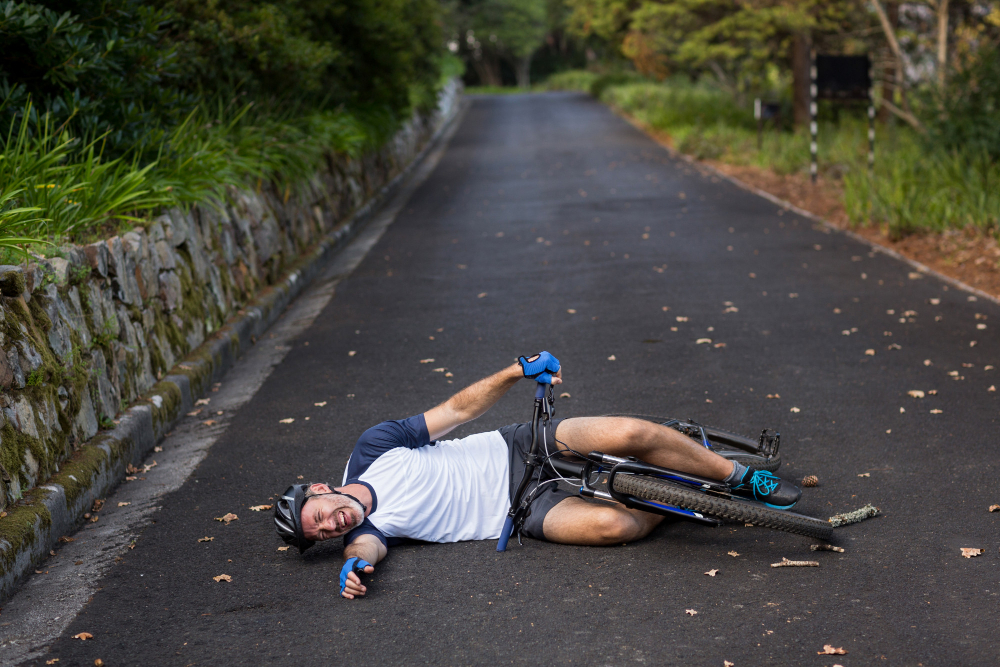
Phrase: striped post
pixel 813 93
pixel 871 124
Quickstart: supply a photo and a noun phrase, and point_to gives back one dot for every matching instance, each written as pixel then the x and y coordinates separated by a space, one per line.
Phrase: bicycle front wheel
pixel 662 491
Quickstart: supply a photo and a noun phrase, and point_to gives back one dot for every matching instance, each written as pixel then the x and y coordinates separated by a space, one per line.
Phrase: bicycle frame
pixel 611 466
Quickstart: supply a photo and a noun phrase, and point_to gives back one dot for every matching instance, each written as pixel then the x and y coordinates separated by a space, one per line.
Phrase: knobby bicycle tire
pixel 734 447
pixel 658 490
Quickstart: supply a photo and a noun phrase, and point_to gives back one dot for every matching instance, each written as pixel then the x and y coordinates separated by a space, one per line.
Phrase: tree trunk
pixel 522 70
pixel 892 70
pixel 800 79
pixel 488 70
pixel 942 42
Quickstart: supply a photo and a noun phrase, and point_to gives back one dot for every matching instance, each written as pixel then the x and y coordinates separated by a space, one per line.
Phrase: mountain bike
pixel 640 485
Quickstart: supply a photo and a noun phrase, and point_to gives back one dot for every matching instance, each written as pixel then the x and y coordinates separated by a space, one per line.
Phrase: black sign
pixel 843 77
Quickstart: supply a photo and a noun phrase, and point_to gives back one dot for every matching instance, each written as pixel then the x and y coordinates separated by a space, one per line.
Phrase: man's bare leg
pixel 653 443
pixel 577 521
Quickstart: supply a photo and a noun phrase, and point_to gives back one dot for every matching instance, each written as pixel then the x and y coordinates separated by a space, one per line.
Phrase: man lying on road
pixel 403 482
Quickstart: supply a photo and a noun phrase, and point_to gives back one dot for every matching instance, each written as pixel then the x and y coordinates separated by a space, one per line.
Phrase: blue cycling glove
pixel 541 368
pixel 356 565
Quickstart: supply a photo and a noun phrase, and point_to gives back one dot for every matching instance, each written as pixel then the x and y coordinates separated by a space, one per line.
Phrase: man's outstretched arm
pixel 474 400
pixel 369 549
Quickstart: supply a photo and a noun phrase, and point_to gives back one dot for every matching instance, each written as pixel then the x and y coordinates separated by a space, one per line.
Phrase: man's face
pixel 326 517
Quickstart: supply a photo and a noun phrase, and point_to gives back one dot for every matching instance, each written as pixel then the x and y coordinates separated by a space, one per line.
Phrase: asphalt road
pixel 551 224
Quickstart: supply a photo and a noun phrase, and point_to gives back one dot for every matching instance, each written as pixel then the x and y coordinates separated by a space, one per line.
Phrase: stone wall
pixel 84 335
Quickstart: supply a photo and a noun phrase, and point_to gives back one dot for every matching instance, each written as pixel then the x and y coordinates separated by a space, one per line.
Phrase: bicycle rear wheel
pixel 662 491
pixel 729 445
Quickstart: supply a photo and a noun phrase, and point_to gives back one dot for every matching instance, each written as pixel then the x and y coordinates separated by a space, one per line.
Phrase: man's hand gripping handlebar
pixel 546 370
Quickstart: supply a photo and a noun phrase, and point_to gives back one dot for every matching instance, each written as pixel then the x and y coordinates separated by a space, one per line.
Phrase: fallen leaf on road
pixel 826 547
pixel 718 345
pixel 447 375
pixel 98 663
pixel 665 308
pixel 289 420
pixel 65 539
pixel 869 352
pixel 936 411
pixel 282 548
pixel 969 553
pixel 934 302
pixel 227 518
pixel 611 358
pixel 681 319
pixel 571 311
pixel 916 393
pixel 440 370
pixel 52 661
pixel 703 341
pixel 828 649
pixel 932 392
pixel 565 394
pixel 427 361
pixel 733 554
pixel 793 295
pixel 205 539
pixel 203 401
pixel 148 467
pixel 481 295
pixel 260 508
pixel 320 404
pixel 731 309
pixel 83 636
pixel 726 663
pixel 774 395
pixel 864 474
pixel 894 346
pixel 795 410
pixel 690 612
pixel 209 422
pixel 993 508
pixel 902 410
pixel 157 449
pixel 913 275
pixel 845 332
pixel 124 504
pixel 993 387
pixel 194 413
pixel 712 573
pixel 352 353
pixel 223 577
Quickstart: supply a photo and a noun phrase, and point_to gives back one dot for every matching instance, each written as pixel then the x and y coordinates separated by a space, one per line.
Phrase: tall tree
pixel 510 30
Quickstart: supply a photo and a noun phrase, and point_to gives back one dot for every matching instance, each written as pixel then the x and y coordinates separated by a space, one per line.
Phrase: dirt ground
pixel 972 257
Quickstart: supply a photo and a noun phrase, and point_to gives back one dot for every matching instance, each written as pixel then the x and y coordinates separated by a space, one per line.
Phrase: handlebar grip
pixel 540 390
pixel 508 528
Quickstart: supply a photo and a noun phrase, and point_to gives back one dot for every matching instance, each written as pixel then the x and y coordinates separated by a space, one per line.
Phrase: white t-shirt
pixel 443 491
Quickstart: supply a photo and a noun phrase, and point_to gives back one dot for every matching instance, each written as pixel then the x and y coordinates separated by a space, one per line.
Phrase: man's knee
pixel 614 526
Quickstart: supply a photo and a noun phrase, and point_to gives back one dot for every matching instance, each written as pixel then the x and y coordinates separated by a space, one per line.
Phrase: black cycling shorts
pixel 518 439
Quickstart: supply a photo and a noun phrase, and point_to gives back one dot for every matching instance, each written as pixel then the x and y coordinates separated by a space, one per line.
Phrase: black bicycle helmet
pixel 288 516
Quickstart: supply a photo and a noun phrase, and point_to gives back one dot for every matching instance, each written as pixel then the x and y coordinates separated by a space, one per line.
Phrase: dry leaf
pixel 289 420
pixel 828 649
pixel 205 539
pixel 194 413
pixel 712 573
pixel 83 636
pixel 993 387
pixel 440 370
pixel 913 275
pixel 124 504
pixel 936 411
pixel 726 663
pixel 98 663
pixel 157 449
pixel 733 554
pixel 565 394
pixel 703 341
pixel 203 401
pixel 690 612
pixel 320 404
pixel 228 518
pixel 65 539
pixel 794 409
pixel 611 358
pixel 571 311
pixel 902 410
pixel 223 577
pixel 427 361
pixel 147 468
pixel 481 295
pixel 718 345
pixel 282 548
pixel 932 392
pixel 870 352
pixel 864 474
pixel 681 319
pixel 916 393
pixel 52 661
pixel 209 422
pixel 969 553
pixel 774 395
pixel 260 508
pixel 993 508
pixel 352 353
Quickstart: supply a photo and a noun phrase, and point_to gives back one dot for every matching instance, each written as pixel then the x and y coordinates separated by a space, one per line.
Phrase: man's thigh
pixel 578 521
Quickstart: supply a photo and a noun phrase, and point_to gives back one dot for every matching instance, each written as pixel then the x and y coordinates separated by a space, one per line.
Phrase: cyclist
pixel 403 482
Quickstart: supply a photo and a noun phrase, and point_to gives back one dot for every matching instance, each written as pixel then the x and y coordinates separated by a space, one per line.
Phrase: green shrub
pixel 575 79
pixel 966 117
pixel 605 81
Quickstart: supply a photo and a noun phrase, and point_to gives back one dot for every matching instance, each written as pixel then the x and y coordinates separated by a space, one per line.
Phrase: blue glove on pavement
pixel 541 368
pixel 356 565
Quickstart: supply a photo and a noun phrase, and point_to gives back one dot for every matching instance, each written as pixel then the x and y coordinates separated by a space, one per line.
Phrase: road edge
pixel 787 205
pixel 46 513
